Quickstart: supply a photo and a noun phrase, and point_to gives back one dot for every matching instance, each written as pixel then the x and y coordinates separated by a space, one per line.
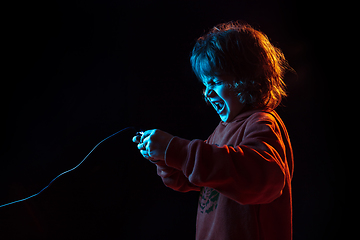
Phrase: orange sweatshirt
pixel 243 172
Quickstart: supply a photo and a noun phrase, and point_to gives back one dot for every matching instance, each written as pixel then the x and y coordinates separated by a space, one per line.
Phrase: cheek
pixel 233 103
pixel 224 92
pixel 229 96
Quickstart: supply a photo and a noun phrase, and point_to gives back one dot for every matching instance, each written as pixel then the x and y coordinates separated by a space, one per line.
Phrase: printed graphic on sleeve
pixel 208 200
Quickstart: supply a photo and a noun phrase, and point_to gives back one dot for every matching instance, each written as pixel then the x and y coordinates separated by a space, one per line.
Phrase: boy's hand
pixel 153 143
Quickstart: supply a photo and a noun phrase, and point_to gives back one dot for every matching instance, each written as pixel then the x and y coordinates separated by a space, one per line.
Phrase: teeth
pixel 218 105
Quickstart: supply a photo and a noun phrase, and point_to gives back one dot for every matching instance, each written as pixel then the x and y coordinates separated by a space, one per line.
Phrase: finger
pixel 136 139
pixel 141 146
pixel 145 135
pixel 146 155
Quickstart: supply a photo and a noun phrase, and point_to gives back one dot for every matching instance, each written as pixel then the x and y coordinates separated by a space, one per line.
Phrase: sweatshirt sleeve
pixel 252 172
pixel 174 178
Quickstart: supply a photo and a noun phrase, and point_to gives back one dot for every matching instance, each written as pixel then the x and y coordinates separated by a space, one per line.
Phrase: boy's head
pixel 256 68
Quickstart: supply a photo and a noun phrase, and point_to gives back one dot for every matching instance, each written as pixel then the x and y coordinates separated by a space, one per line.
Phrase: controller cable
pixel 21 200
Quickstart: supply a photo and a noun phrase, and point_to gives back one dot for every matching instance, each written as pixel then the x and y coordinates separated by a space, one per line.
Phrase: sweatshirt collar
pixel 244 115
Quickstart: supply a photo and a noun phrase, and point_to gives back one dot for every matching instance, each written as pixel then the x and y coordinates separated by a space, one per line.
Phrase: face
pixel 223 99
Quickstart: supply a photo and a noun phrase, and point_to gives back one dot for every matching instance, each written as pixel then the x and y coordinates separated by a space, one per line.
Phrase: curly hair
pixel 238 50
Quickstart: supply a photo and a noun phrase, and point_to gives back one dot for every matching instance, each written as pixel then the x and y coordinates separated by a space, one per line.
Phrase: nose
pixel 208 92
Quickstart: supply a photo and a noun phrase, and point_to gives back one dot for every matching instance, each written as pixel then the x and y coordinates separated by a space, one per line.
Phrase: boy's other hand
pixel 153 143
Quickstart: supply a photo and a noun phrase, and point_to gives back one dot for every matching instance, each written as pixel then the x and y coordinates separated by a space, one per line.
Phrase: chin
pixel 224 118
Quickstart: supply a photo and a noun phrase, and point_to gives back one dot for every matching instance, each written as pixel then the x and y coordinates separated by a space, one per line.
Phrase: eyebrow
pixel 212 79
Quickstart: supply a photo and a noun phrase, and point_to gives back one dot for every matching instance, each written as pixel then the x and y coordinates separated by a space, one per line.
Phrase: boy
pixel 244 169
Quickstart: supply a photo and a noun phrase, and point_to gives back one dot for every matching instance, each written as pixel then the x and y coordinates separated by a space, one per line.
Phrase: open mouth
pixel 219 106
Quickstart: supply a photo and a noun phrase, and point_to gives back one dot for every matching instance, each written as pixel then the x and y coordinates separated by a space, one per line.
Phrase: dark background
pixel 74 72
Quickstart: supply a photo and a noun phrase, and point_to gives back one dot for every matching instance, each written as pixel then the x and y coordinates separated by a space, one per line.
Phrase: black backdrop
pixel 75 72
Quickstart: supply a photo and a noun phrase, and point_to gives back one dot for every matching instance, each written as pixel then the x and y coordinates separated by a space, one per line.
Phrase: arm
pixel 252 172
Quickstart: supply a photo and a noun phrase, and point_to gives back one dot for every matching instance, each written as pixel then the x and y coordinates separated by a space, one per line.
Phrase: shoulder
pixel 263 115
pixel 255 115
pixel 262 121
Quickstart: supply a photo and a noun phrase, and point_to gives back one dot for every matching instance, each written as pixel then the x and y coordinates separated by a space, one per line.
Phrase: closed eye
pixel 212 82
